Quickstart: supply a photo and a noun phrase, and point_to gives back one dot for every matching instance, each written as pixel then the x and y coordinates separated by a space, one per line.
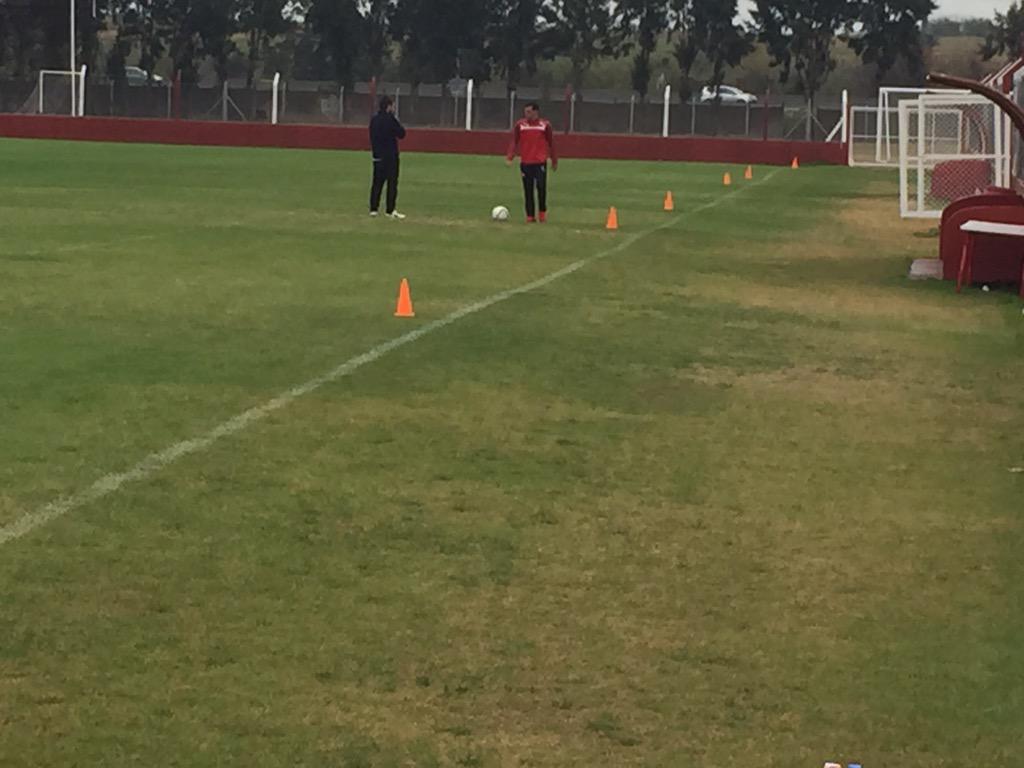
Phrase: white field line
pixel 157 461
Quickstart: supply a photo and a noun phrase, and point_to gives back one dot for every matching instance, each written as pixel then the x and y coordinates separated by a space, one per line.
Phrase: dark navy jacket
pixel 385 131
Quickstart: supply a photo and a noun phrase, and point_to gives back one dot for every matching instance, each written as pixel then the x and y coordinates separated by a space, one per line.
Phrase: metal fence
pixel 424 106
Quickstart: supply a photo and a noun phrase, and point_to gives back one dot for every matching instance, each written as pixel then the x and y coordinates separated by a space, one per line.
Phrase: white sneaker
pixel 396 215
pixel 374 214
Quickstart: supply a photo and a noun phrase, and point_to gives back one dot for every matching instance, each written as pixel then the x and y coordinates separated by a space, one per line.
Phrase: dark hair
pixel 385 102
pixel 533 105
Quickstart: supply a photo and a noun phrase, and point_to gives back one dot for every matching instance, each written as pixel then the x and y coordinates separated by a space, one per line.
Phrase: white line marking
pixel 157 461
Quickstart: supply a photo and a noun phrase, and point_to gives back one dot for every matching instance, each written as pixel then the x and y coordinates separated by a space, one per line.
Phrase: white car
pixel 139 76
pixel 728 94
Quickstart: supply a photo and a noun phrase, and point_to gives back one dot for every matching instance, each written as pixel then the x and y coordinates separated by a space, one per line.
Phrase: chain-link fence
pixel 432 105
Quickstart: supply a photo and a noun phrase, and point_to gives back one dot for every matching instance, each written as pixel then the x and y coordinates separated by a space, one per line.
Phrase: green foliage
pixel 1007 33
pixel 887 31
pixel 800 35
pixel 340 37
pixel 646 21
pixel 440 39
pixel 585 30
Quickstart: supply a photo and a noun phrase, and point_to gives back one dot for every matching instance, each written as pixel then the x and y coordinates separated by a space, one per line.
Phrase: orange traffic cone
pixel 796 163
pixel 727 180
pixel 613 219
pixel 404 308
pixel 749 173
pixel 669 203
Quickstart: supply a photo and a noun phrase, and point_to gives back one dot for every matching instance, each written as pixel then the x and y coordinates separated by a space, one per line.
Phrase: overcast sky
pixel 958 8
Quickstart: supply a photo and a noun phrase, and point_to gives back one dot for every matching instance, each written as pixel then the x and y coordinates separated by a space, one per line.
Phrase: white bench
pixel 974 227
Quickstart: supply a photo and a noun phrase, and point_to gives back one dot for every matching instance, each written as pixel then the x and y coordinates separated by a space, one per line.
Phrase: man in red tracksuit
pixel 534 140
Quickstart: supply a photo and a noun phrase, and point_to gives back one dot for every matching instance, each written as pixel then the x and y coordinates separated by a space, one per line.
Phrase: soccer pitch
pixel 720 488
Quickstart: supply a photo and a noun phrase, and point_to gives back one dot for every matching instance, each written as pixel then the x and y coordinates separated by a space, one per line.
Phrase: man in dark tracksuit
pixel 385 133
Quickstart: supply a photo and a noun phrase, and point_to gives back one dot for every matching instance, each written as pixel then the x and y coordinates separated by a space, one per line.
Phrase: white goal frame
pixel 994 149
pixel 77 88
pixel 885 108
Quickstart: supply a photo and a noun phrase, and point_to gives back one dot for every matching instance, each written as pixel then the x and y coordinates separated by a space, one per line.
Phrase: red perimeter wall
pixel 611 147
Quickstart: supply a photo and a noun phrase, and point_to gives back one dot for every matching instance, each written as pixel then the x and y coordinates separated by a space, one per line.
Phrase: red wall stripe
pixel 596 146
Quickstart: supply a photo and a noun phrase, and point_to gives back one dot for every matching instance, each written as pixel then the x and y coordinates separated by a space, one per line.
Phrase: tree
pixel 800 35
pixel 584 30
pixel 441 38
pixel 645 20
pixel 341 35
pixel 1006 35
pixel 890 30
pixel 377 14
pixel 261 21
pixel 687 46
pixel 718 36
pixel 513 40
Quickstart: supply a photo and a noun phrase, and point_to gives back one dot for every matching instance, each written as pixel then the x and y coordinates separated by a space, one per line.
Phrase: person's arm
pixel 549 134
pixel 513 146
pixel 399 128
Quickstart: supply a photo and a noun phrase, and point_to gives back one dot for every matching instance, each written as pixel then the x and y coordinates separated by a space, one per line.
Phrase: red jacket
pixel 534 141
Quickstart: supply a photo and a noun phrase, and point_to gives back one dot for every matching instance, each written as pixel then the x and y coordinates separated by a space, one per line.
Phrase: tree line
pixel 436 40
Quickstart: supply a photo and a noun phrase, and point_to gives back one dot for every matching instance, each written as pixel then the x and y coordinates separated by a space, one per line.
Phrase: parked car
pixel 729 95
pixel 139 76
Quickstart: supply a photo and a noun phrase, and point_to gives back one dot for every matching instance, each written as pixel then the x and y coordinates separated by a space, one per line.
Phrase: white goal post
pixel 889 99
pixel 76 79
pixel 951 146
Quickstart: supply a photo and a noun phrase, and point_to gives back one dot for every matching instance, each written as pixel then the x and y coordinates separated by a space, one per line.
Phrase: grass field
pixel 734 492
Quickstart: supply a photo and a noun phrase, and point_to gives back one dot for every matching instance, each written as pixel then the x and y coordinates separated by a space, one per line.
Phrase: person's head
pixel 532 111
pixel 387 104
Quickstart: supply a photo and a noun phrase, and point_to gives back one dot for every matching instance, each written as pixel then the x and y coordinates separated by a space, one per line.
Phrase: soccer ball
pixel 500 213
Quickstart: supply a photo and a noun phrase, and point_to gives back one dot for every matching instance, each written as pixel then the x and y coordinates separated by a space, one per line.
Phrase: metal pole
pixel 664 117
pixel 224 101
pixel 398 96
pixel 572 113
pixel 512 110
pixel 74 64
pixel 632 110
pixel 469 105
pixel 341 105
pixel 746 126
pixel 40 89
pixel 693 116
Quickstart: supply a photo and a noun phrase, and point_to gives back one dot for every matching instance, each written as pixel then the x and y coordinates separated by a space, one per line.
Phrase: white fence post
pixel 74 67
pixel 572 113
pixel 469 105
pixel 273 99
pixel 846 116
pixel 632 111
pixel 664 116
pixel 512 110
pixel 398 96
pixel 81 91
pixel 40 89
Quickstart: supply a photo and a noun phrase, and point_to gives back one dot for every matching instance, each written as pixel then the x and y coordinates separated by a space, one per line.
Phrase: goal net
pixel 950 146
pixel 57 92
